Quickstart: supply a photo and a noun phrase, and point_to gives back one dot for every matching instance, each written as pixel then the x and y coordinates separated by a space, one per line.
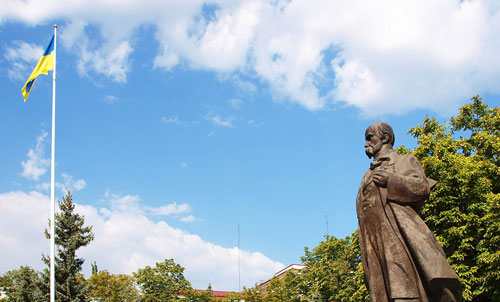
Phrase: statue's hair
pixel 384 128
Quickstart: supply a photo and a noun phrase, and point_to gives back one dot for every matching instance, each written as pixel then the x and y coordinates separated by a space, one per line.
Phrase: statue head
pixel 378 137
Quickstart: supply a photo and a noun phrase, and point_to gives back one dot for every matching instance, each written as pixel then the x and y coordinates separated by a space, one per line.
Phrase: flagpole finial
pixel 55 25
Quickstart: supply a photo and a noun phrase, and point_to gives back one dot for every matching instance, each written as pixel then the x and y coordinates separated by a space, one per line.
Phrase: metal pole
pixel 239 272
pixel 52 170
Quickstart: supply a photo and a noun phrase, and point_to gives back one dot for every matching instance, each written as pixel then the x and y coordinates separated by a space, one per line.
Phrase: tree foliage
pixel 164 282
pixel 70 235
pixel 464 208
pixel 20 285
pixel 106 287
pixel 291 287
pixel 252 294
pixel 334 270
pixel 201 295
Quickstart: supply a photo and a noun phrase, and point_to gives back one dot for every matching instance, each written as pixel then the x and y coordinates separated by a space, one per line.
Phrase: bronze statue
pixel 402 259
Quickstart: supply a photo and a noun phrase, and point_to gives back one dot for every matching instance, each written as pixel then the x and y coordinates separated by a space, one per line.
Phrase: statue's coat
pixel 401 257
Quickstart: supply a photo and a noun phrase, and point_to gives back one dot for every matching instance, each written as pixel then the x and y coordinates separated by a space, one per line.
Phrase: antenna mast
pixel 326 216
pixel 239 272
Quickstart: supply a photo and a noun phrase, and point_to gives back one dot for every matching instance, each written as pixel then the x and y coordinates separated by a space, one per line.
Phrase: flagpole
pixel 52 184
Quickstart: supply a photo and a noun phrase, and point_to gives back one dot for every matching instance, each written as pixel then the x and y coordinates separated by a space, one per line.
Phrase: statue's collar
pixel 388 156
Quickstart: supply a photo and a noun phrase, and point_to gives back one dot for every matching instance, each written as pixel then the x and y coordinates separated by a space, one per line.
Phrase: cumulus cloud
pixel 36 165
pixel 130 239
pixel 379 56
pixel 22 57
pixel 23 218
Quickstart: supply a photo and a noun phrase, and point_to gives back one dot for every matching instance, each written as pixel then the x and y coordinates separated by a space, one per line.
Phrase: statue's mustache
pixel 369 151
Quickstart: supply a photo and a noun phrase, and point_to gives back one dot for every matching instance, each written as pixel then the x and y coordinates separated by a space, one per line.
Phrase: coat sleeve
pixel 408 186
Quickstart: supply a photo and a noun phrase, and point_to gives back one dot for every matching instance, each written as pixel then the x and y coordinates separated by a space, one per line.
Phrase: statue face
pixel 373 142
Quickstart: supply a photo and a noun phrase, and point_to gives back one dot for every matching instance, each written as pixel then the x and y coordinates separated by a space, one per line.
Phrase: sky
pixel 185 128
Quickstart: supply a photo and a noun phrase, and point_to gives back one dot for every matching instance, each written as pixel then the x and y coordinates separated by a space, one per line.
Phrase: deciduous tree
pixel 334 270
pixel 106 287
pixel 164 282
pixel 464 208
pixel 20 285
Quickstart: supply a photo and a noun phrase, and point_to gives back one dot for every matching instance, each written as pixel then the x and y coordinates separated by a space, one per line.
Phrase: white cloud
pixel 130 240
pixel 226 40
pixel 23 218
pixel 110 99
pixel 243 85
pixel 68 184
pixel 171 209
pixel 171 120
pixel 44 186
pixel 72 184
pixel 220 121
pixel 380 56
pixel 255 124
pixel 124 204
pixel 111 60
pixel 189 218
pixel 36 165
pixel 22 57
pixel 235 103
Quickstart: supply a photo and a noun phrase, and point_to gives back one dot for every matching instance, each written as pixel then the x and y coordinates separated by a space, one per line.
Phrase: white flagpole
pixel 52 169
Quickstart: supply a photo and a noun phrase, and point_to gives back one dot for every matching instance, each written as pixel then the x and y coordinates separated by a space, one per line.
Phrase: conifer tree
pixel 71 234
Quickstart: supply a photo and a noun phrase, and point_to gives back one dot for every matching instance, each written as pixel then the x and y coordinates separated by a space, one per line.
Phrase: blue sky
pixel 176 121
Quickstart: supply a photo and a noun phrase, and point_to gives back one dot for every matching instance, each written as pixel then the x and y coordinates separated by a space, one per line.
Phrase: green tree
pixel 195 295
pixel 70 235
pixel 232 297
pixel 334 270
pixel 164 282
pixel 252 294
pixel 463 212
pixel 106 287
pixel 291 287
pixel 464 208
pixel 20 285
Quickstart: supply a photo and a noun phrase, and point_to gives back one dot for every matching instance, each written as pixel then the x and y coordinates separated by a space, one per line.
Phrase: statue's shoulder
pixel 403 157
pixel 408 161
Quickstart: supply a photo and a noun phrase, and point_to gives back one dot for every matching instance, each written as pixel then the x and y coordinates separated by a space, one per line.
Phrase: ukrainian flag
pixel 45 64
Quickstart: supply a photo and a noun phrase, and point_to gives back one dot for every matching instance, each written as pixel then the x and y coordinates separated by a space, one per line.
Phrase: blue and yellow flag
pixel 45 64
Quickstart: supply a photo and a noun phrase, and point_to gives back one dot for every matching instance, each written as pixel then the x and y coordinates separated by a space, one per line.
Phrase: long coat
pixel 401 257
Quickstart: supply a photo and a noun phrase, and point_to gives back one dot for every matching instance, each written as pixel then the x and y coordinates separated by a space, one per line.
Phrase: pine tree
pixel 71 234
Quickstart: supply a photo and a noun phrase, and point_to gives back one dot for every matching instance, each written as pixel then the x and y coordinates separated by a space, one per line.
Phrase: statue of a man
pixel 402 259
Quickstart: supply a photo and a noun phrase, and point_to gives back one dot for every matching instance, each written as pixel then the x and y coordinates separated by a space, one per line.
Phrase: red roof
pixel 220 293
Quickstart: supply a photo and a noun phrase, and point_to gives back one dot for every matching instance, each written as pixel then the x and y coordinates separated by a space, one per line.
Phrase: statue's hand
pixel 380 178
